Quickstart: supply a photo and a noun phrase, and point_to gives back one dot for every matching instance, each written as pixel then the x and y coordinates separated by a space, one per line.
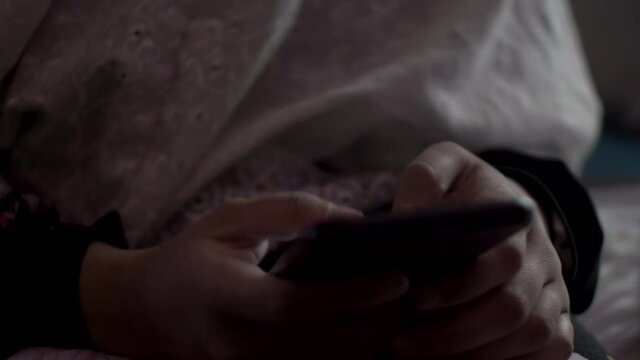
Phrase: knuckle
pixel 514 307
pixel 418 168
pixel 512 258
pixel 554 261
pixel 563 346
pixel 421 171
pixel 299 197
pixel 565 299
pixel 458 151
pixel 304 206
pixel 449 146
pixel 540 330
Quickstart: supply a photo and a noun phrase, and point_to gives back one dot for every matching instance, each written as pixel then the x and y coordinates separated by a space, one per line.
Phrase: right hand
pixel 511 302
pixel 203 296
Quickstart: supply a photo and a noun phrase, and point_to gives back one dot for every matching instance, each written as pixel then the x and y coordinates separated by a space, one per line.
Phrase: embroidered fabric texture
pixel 137 105
pixel 278 171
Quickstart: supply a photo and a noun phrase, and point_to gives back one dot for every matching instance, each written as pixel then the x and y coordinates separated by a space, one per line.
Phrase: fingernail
pixel 350 212
pixel 389 288
pixel 339 211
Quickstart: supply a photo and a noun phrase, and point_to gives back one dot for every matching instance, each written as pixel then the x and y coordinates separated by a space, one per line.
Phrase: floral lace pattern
pixel 277 171
pixel 269 172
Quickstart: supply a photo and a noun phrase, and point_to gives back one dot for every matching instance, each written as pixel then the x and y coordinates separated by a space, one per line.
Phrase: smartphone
pixel 419 242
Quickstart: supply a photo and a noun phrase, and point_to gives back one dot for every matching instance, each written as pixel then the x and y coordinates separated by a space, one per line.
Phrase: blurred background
pixel 611 36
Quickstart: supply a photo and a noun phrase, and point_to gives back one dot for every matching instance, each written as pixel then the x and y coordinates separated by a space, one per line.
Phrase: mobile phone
pixel 418 242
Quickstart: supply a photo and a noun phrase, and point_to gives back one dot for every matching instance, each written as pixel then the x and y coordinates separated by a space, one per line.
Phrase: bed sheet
pixel 614 317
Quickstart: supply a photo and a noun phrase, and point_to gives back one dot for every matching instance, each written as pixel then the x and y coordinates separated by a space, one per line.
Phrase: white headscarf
pixel 141 103
pixel 18 21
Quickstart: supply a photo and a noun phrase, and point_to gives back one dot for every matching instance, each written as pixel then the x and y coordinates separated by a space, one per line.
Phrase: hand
pixel 203 296
pixel 512 303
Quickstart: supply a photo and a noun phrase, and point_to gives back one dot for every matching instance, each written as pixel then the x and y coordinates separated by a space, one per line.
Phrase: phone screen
pixel 415 241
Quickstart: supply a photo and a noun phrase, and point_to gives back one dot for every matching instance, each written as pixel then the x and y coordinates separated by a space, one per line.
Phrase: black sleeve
pixel 563 200
pixel 40 262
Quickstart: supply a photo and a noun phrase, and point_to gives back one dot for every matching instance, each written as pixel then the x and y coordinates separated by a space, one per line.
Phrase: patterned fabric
pixel 132 93
pixel 277 171
pixel 136 105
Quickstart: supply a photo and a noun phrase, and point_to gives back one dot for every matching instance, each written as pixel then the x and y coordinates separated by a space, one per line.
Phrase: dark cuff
pixel 563 200
pixel 40 266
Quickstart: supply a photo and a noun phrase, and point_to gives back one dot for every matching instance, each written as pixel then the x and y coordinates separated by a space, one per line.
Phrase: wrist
pixel 554 229
pixel 113 301
pixel 540 215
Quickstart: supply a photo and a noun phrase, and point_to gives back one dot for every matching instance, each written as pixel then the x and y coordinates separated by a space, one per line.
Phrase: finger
pixel 262 297
pixel 331 300
pixel 536 333
pixel 433 174
pixel 284 215
pixel 561 345
pixel 476 323
pixel 490 270
pixel 549 262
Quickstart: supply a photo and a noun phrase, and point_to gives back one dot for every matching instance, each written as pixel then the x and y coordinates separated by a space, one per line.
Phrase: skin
pixel 203 296
pixel 513 302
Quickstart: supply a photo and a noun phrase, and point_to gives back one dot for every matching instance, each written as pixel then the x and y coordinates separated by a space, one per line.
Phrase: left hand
pixel 512 303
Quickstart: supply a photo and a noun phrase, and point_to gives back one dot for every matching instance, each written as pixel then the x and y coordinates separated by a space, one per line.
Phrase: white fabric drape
pixel 139 104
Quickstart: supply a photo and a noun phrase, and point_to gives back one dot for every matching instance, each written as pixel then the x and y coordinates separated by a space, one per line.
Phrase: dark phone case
pixel 420 242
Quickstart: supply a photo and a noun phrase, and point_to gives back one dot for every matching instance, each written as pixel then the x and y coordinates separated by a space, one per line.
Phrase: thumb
pixel 266 298
pixel 279 216
pixel 432 175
